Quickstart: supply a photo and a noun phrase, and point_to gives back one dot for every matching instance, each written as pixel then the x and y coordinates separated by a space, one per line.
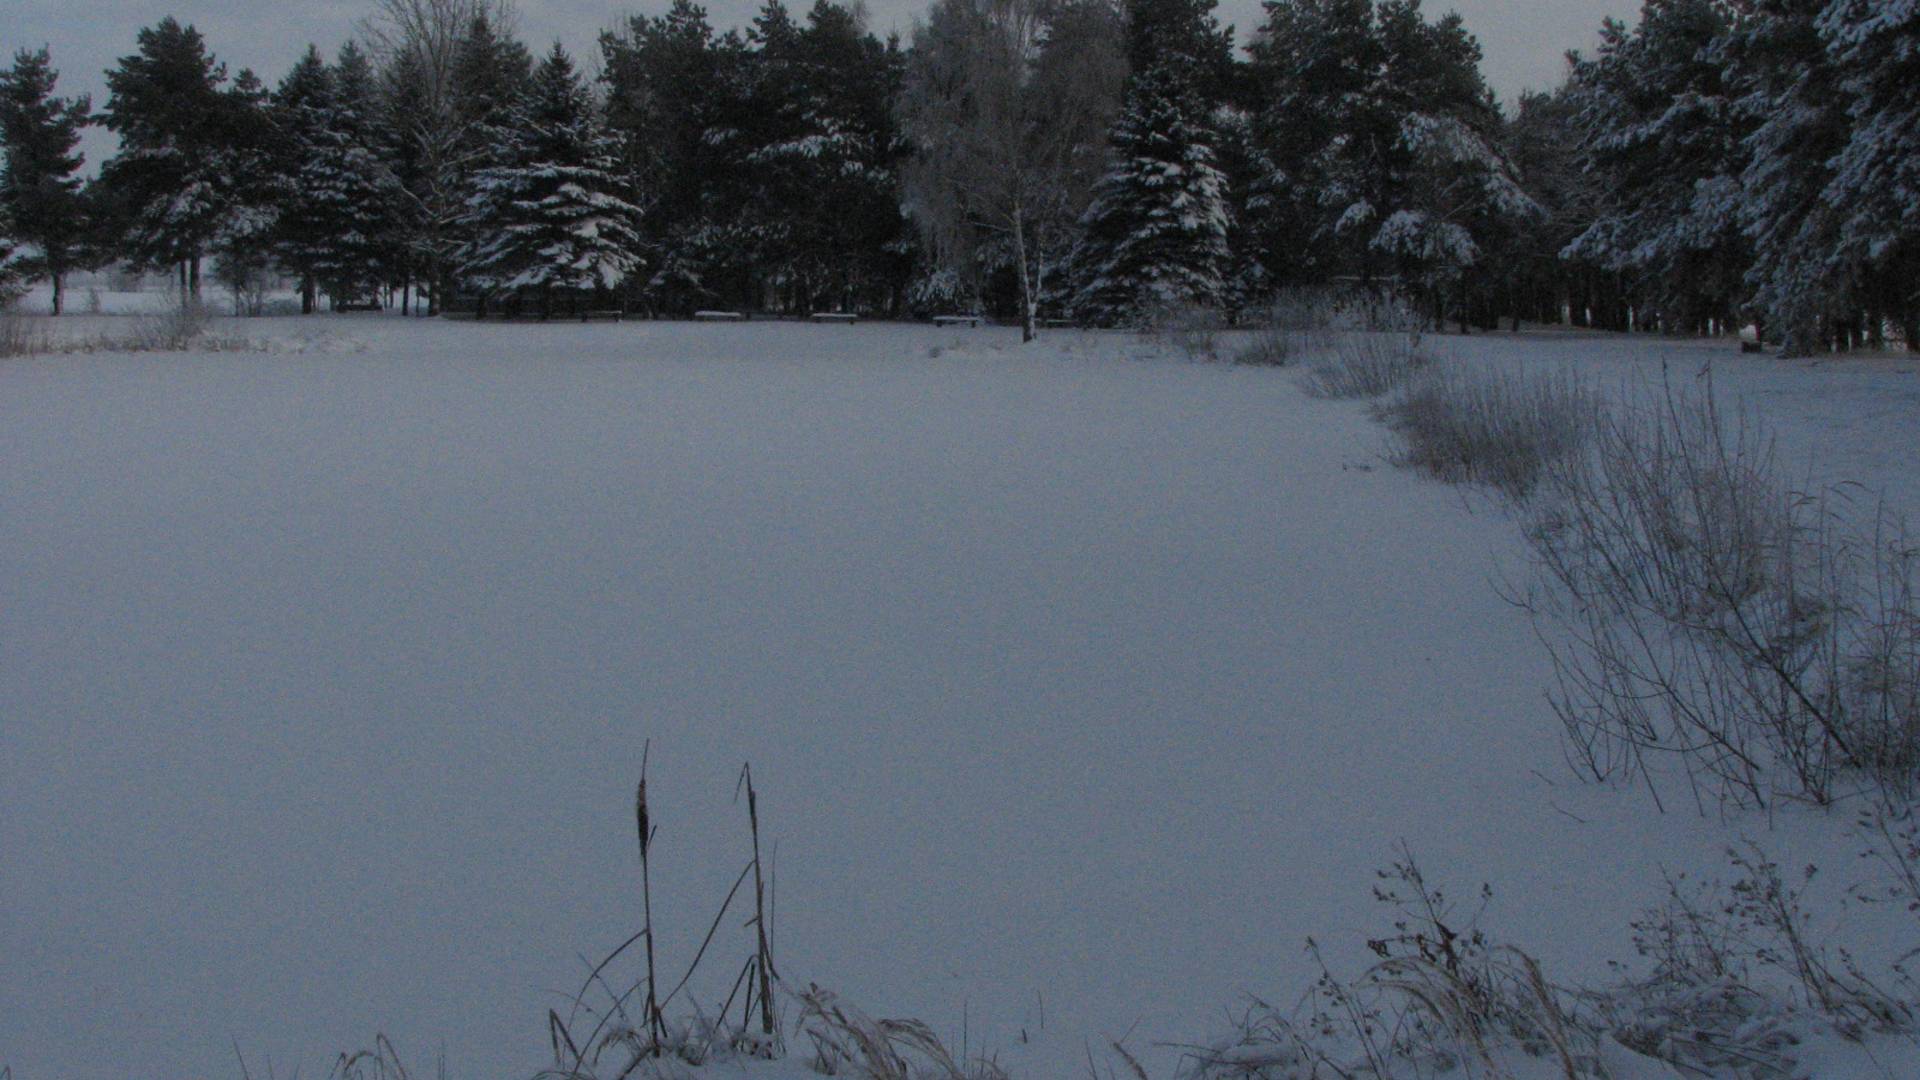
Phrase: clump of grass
pixel 19 336
pixel 1505 430
pixel 1294 324
pixel 1366 364
pixel 848 1042
pixel 1192 330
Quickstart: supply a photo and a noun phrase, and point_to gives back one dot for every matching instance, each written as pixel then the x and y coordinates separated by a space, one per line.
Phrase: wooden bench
pixel 833 316
pixel 1058 324
pixel 718 316
pixel 360 305
pixel 955 320
pixel 604 316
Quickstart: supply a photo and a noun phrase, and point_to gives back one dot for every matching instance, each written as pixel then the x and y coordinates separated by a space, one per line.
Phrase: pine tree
pixel 1789 93
pixel 825 157
pixel 173 183
pixel 1385 151
pixel 1874 45
pixel 1543 142
pixel 1665 140
pixel 682 101
pixel 409 246
pixel 551 214
pixel 39 185
pixel 1156 232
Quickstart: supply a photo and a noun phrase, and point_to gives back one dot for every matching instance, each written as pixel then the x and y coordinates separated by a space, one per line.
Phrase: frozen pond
pixel 1078 690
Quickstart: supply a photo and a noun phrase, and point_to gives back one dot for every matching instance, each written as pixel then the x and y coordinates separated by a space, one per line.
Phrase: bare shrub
pixel 1736 975
pixel 1442 997
pixel 1366 365
pixel 1698 610
pixel 1504 430
pixel 1294 324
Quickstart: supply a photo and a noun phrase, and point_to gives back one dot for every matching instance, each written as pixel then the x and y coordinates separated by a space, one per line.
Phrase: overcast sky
pixel 1525 40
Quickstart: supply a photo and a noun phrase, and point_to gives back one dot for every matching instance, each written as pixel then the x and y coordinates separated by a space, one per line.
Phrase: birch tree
pixel 1006 105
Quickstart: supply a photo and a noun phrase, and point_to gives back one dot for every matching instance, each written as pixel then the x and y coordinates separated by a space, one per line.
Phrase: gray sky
pixel 1524 39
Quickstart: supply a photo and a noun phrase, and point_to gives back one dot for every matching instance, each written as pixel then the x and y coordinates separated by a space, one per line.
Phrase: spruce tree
pixel 1156 231
pixel 39 186
pixel 252 192
pixel 303 107
pixel 551 214
pixel 352 184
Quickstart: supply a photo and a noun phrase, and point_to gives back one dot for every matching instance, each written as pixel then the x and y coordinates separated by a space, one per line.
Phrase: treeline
pixel 1093 160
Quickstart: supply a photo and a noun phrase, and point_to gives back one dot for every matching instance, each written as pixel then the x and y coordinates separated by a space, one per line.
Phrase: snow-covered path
pixel 1078 691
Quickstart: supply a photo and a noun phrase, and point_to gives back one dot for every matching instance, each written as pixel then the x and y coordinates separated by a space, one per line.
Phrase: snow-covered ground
pixel 1079 688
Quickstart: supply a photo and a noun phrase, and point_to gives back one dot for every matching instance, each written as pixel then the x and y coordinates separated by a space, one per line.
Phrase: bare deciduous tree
pixel 1007 104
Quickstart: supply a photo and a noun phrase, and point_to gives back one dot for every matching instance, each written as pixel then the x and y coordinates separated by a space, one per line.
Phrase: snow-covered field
pixel 1079 687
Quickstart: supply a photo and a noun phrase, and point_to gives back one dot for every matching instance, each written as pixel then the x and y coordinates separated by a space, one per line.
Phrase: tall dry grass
pixel 1503 429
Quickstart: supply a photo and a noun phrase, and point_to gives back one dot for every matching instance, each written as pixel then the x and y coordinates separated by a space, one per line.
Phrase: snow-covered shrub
pixel 1293 324
pixel 1504 430
pixel 940 291
pixel 1703 613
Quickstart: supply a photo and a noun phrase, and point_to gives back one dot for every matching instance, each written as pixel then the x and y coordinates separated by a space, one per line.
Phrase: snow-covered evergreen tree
pixel 551 214
pixel 39 182
pixel 348 184
pixel 1156 232
pixel 824 158
pixel 681 99
pixel 1666 141
pixel 1874 47
pixel 303 106
pixel 13 278
pixel 1385 149
pixel 173 183
pixel 1789 93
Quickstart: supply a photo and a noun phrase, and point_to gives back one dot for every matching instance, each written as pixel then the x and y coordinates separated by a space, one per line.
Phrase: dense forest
pixel 1722 162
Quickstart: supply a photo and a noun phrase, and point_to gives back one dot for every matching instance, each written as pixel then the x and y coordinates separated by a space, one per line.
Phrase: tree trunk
pixel 59 292
pixel 183 282
pixel 307 294
pixel 193 275
pixel 1026 282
